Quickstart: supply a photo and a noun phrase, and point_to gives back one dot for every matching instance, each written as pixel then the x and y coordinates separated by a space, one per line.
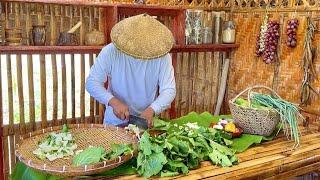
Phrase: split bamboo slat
pixel 1 122
pixel 91 98
pixel 54 89
pixel 73 91
pixel 10 95
pixel 64 88
pixel 20 94
pixel 82 89
pixel 31 94
pixel 43 91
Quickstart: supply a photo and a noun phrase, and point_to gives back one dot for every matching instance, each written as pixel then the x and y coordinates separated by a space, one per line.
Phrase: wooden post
pixel 179 27
pixel 111 18
pixel 172 110
pixel 1 132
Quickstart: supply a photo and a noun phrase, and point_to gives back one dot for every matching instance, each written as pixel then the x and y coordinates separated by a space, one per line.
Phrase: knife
pixel 140 122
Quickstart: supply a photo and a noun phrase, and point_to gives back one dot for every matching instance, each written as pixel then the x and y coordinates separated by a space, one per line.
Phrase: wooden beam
pixel 49 49
pixel 97 49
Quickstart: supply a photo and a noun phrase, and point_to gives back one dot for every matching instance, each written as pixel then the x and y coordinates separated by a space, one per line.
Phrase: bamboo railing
pixel 59 83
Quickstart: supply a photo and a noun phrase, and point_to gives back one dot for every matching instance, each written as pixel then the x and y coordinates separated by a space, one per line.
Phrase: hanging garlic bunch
pixel 262 36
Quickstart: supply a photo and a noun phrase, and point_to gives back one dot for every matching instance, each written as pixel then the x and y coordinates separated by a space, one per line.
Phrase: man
pixel 135 64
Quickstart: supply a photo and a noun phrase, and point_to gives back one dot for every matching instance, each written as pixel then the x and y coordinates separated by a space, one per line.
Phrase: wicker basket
pixel 254 121
pixel 84 135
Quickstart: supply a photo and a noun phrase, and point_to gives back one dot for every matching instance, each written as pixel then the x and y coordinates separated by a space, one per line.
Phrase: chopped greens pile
pixel 134 129
pixel 182 148
pixel 56 145
pixel 93 154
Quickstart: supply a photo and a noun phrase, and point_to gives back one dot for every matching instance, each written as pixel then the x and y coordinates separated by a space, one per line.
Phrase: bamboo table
pixel 270 160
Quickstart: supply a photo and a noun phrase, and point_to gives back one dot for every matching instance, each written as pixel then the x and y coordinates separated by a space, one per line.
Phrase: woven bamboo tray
pixel 84 136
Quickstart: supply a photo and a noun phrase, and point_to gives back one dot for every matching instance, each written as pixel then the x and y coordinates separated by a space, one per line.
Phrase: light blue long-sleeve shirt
pixel 134 82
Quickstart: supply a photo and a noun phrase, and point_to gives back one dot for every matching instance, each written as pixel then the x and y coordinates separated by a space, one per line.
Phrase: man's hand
pixel 148 115
pixel 120 109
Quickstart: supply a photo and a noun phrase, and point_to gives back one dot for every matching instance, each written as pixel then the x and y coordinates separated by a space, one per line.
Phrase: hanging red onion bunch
pixel 292 27
pixel 267 47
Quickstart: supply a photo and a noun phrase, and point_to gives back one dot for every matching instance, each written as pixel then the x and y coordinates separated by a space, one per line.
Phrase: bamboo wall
pixel 247 69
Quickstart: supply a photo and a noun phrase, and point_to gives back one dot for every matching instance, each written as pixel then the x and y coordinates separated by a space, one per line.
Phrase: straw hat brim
pixel 142 37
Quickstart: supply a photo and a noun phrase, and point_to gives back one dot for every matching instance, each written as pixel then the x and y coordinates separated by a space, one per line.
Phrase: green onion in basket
pixel 289 114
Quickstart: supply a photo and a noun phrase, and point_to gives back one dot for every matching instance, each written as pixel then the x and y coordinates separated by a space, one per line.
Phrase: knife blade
pixel 138 121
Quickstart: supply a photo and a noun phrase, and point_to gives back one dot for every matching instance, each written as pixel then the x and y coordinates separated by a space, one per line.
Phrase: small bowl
pixel 237 134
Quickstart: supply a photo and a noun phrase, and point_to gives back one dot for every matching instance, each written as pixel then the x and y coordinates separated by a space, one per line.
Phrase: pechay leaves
pixel 150 159
pixel 182 148
pixel 118 150
pixel 88 156
pixel 93 155
pixel 145 144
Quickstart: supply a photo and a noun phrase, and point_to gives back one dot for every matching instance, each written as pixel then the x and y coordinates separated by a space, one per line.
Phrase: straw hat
pixel 142 37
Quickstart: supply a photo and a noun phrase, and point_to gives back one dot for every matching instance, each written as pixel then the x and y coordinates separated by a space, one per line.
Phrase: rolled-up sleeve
pixel 99 73
pixel 167 86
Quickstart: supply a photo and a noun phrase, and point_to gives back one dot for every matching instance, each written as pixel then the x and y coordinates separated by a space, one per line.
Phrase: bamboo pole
pixel 1 101
pixel 43 91
pixel 82 88
pixel 2 167
pixel 81 27
pixel 190 82
pixel 20 94
pixel 52 26
pixel 185 84
pixel 12 150
pixel 28 22
pixel 73 99
pixel 64 88
pixel 178 86
pixel 6 157
pixel 223 84
pixel 31 92
pixel 54 89
pixel 10 94
pixel 91 98
pixel 90 19
pixel 208 77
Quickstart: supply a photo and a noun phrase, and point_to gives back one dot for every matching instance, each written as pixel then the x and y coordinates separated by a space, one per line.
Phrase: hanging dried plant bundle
pixel 308 64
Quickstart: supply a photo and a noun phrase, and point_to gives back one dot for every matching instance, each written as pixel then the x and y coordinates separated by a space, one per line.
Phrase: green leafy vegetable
pixel 23 172
pixel 56 145
pixel 93 154
pixel 182 148
pixel 65 128
pixel 88 156
pixel 118 150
